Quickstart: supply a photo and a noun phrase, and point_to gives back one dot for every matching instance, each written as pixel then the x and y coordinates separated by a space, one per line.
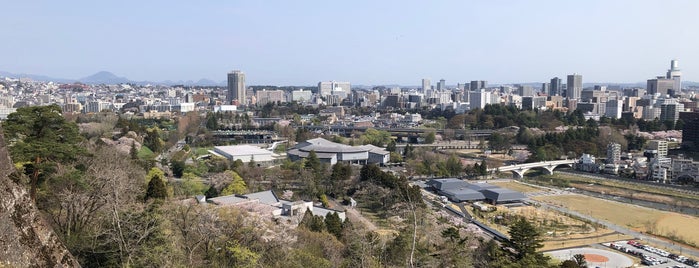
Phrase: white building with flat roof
pixel 245 153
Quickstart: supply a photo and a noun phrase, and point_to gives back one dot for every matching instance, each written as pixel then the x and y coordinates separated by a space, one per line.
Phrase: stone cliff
pixel 26 240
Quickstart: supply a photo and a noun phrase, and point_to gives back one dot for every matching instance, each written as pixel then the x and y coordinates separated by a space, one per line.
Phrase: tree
pixel 153 141
pixel 40 137
pixel 499 142
pixel 237 185
pixel 430 137
pixel 333 224
pixel 524 238
pixel 391 147
pixel 312 161
pixel 156 188
pixel 190 185
pixel 454 166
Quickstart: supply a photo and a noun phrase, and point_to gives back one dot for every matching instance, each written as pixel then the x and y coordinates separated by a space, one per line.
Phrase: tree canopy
pixel 40 137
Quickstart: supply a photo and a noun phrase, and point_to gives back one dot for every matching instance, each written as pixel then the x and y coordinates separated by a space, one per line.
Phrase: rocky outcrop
pixel 26 240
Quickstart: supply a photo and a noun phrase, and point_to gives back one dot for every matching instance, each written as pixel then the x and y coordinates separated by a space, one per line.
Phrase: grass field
pixel 668 224
pixel 517 187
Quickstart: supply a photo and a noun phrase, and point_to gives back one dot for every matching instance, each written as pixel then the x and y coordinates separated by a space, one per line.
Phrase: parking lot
pixel 651 256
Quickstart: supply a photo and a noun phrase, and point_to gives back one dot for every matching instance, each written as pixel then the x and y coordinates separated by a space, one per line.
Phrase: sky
pixel 365 42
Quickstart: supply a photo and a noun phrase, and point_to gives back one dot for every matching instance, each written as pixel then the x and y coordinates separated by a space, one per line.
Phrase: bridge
pixel 520 169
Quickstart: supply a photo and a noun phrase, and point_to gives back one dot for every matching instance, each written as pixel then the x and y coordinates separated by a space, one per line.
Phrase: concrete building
pixel 426 85
pixel 660 85
pixel 442 85
pixel 245 153
pixel 614 108
pixel 334 88
pixel 331 152
pixel 556 87
pixel 675 74
pixel 266 96
pixel 236 88
pixel 478 84
pixel 613 153
pixel 479 98
pixel 301 95
pixel 660 146
pixel 574 86
pixel 670 110
pixel 533 102
pixel 525 90
pixel 458 190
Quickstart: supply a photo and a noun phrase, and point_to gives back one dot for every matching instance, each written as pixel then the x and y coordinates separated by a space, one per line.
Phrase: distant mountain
pixel 104 77
pixel 36 77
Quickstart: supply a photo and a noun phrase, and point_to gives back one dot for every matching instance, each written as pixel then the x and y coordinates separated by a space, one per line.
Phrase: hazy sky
pixel 365 42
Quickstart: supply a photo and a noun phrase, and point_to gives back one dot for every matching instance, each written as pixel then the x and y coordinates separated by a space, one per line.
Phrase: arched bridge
pixel 520 169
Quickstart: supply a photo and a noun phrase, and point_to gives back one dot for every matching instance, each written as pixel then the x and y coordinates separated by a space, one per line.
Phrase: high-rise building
pixel 442 85
pixel 670 110
pixel 236 87
pixel 614 108
pixel 479 98
pixel 426 85
pixel 613 153
pixel 690 132
pixel 556 88
pixel 525 90
pixel 660 85
pixel 479 84
pixel 328 88
pixel 575 86
pixel 545 88
pixel 675 74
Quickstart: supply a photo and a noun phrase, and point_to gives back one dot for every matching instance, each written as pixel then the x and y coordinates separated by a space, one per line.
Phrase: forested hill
pixel 26 240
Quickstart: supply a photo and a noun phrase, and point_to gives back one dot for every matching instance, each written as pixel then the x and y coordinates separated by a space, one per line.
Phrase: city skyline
pixel 367 43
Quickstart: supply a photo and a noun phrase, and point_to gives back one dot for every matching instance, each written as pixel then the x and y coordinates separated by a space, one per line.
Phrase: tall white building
pixel 426 85
pixel 675 74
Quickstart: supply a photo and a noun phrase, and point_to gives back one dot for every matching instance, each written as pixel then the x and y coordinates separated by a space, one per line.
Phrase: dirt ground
pixel 635 217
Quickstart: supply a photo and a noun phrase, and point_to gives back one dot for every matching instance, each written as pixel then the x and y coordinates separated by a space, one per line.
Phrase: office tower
pixel 670 110
pixel 613 153
pixel 545 88
pixel 426 85
pixel 533 102
pixel 525 90
pixel 675 74
pixel 556 87
pixel 614 109
pixel 480 84
pixel 479 98
pixel 236 87
pixel 690 132
pixel 660 85
pixel 575 86
pixel 442 85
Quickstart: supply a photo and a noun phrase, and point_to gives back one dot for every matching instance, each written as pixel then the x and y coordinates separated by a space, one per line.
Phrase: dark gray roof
pixel 463 194
pixel 446 184
pixel 503 195
pixel 481 186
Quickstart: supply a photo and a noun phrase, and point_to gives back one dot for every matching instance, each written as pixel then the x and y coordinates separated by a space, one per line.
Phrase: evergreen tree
pixel 526 240
pixel 391 147
pixel 41 137
pixel 211 192
pixel 333 224
pixel 156 189
pixel 312 161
